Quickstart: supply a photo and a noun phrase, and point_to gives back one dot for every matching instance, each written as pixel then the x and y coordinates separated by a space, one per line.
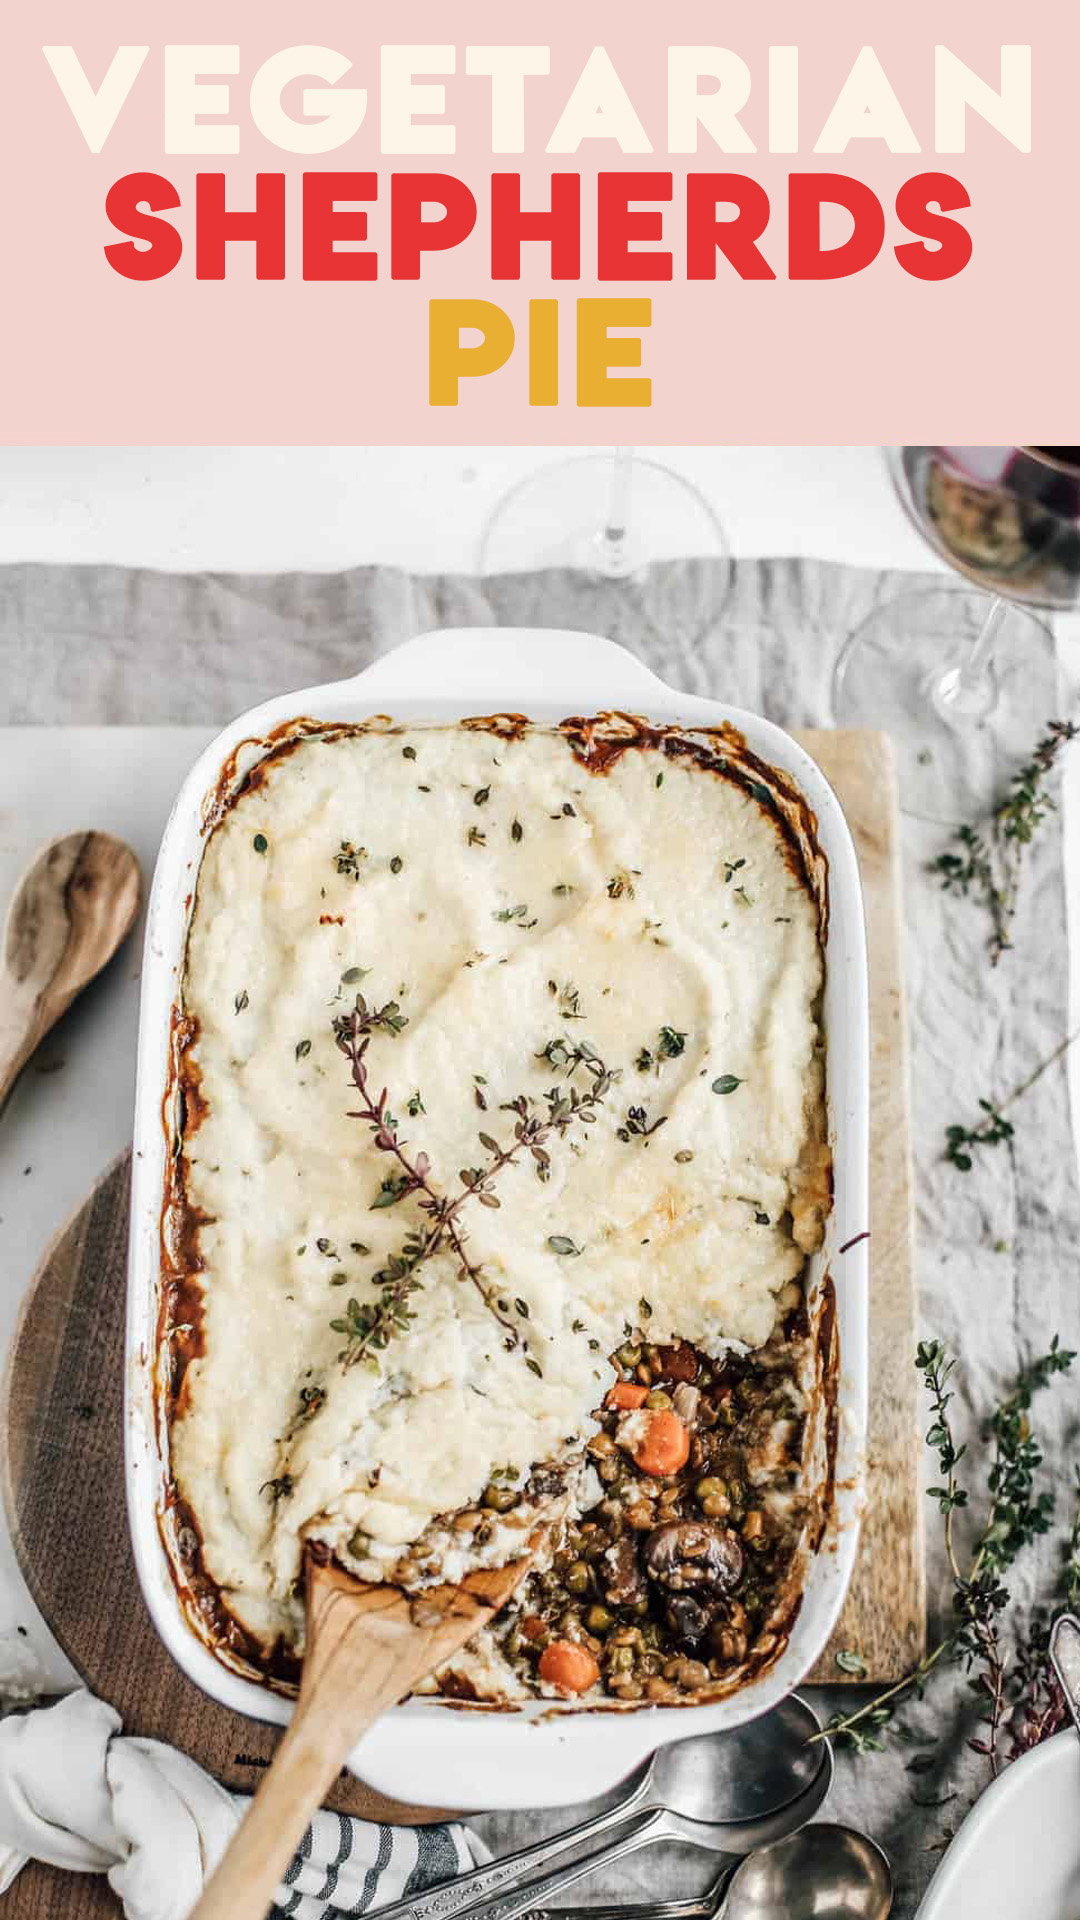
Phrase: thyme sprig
pixel 989 863
pixel 1038 1707
pixel 960 1140
pixel 994 1129
pixel 368 1328
pixel 1017 1512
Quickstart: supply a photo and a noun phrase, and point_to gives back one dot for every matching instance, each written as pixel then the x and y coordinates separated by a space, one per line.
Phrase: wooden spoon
pixel 72 908
pixel 367 1647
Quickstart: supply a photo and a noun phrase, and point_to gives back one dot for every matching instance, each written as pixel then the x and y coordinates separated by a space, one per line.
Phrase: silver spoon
pixel 735 1776
pixel 1065 1658
pixel 861 1891
pixel 822 1873
pixel 730 1839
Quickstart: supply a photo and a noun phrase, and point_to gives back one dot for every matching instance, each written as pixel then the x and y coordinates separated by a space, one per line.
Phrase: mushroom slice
pixel 693 1553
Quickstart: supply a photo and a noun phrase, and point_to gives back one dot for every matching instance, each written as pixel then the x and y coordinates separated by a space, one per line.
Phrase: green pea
pixel 500 1499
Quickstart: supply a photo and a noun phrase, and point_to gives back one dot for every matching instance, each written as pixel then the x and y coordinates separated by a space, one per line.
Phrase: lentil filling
pixel 670 1581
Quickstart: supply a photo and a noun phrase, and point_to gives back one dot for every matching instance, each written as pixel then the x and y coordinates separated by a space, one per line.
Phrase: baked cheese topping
pixel 521 911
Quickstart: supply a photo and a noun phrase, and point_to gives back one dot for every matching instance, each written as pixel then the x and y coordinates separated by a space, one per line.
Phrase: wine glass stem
pixel 965 689
pixel 618 509
pixel 982 646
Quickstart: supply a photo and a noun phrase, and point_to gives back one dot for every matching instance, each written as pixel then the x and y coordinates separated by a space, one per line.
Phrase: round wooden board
pixel 62 1476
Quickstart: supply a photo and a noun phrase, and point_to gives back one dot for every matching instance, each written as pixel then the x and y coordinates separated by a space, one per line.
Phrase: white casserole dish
pixel 532 1756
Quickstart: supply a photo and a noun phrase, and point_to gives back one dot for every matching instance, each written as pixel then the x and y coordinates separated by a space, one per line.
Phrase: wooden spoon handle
pixel 16 1046
pixel 367 1647
pixel 305 1765
pixel 341 1698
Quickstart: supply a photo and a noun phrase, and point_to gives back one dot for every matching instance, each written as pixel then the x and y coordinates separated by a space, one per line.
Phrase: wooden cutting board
pixel 61 1426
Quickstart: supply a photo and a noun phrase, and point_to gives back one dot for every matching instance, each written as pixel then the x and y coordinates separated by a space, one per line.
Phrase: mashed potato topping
pixel 517 905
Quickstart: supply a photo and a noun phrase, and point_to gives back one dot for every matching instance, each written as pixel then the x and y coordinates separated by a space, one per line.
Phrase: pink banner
pixel 842 224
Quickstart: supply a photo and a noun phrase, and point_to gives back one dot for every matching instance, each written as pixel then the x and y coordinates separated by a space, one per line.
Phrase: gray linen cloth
pixel 997 1252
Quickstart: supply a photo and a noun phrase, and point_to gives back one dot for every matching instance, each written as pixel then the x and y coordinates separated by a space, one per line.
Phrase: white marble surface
pixel 249 509
pixel 263 509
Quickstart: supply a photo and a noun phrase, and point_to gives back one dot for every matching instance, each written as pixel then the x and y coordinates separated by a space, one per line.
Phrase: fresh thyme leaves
pixel 278 1489
pixel 850 1662
pixel 727 1083
pixel 391 1191
pixel 353 976
pixel 990 1132
pixel 1016 1513
pixel 396 863
pixel 414 1105
pixel 475 838
pixel 517 832
pixel 349 859
pixel 671 1043
pixel 622 883
pixel 408 753
pixel 561 1243
pixel 570 1002
pixel 241 1001
pixel 562 888
pixel 311 1400
pixel 1027 803
pixel 260 843
pixel 514 913
pixel 566 1056
pixel 644 1060
pixel 1069 1586
pixel 303 1048
pixel 369 1327
pixel 481 796
pixel 731 868
pixel 637 1124
pixel 744 899
pixel 988 865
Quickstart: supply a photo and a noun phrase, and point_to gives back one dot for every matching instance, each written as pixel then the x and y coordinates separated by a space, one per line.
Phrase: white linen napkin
pixel 75 1792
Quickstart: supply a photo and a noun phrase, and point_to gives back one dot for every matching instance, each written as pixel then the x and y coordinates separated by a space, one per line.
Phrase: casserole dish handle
pixel 535 662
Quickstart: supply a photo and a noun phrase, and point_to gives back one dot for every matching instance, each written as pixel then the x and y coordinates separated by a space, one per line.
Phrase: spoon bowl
pixel 819 1873
pixel 73 907
pixel 737 1777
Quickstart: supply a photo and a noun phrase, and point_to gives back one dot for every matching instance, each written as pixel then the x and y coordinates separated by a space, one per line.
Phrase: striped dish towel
pixel 76 1793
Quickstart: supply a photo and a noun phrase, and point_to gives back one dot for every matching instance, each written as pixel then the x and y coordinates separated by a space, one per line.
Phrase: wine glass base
pixel 895 674
pixel 555 518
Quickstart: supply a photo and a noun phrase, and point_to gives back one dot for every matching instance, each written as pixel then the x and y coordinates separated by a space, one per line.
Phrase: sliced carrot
pixel 626 1394
pixel 532 1626
pixel 569 1667
pixel 664 1446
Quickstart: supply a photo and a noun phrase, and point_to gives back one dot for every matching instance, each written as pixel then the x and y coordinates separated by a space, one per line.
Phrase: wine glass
pixel 613 518
pixel 964 679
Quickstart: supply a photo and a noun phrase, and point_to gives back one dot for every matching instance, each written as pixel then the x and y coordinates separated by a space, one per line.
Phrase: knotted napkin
pixel 76 1792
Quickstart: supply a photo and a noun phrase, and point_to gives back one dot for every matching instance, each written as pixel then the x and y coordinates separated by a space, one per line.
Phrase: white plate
pixel 1017 1855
